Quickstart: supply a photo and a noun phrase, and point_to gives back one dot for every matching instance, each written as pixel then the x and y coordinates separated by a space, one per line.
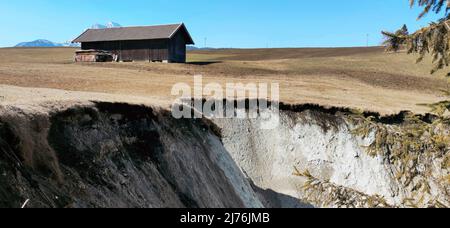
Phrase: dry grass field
pixel 366 78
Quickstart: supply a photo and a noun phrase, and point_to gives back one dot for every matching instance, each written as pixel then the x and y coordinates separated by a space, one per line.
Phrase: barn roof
pixel 134 33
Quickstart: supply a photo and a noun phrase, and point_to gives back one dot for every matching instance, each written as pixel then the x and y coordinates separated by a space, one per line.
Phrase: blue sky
pixel 225 23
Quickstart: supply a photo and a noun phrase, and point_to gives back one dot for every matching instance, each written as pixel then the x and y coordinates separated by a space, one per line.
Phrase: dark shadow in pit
pixel 273 199
pixel 203 63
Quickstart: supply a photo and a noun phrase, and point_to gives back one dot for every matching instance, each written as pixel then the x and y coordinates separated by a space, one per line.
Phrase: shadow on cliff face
pixel 273 199
pixel 115 155
pixel 28 166
pixel 8 163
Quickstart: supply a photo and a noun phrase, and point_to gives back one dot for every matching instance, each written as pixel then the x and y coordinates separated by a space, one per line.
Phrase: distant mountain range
pixel 48 43
pixel 194 48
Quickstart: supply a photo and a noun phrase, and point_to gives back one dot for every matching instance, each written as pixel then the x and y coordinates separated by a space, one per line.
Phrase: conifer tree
pixel 433 39
pixel 395 41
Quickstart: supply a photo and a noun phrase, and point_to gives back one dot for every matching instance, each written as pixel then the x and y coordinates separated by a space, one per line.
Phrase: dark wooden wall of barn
pixel 133 50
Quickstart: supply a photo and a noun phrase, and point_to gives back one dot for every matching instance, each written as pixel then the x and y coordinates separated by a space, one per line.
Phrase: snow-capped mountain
pixel 69 44
pixel 113 25
pixel 107 25
pixel 98 26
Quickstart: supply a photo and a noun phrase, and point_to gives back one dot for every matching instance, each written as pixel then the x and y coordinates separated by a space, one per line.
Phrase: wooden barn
pixel 161 43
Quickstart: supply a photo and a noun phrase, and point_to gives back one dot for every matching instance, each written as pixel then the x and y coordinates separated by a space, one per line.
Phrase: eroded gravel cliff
pixel 119 155
pixel 115 155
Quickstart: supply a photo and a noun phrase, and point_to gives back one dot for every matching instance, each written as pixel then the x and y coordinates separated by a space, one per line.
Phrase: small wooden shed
pixel 94 56
pixel 164 43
